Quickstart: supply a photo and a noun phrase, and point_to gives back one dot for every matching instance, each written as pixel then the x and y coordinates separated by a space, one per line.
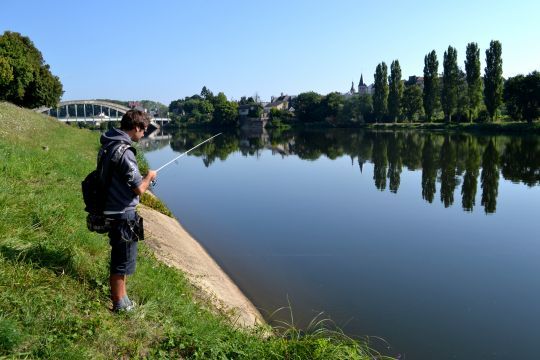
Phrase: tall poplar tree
pixel 431 84
pixel 474 82
pixel 493 81
pixel 395 90
pixel 449 95
pixel 380 94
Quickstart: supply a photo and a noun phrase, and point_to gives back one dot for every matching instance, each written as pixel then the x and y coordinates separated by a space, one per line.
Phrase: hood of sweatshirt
pixel 115 135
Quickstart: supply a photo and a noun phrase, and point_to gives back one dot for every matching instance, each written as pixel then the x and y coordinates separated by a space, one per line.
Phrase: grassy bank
pixel 496 127
pixel 54 273
pixel 499 127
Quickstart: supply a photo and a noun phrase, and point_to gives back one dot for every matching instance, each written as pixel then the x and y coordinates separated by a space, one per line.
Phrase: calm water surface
pixel 427 240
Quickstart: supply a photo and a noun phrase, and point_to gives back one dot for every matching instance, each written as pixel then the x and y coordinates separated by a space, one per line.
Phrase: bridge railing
pixel 77 111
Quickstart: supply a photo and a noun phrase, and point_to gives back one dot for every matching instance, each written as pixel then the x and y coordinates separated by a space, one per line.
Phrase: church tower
pixel 352 88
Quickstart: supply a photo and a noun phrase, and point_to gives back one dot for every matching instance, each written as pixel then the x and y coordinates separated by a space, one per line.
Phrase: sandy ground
pixel 174 246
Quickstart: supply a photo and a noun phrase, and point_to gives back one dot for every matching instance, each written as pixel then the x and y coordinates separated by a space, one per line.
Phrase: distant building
pixel 352 91
pixel 245 110
pixel 282 102
pixel 415 80
pixel 363 89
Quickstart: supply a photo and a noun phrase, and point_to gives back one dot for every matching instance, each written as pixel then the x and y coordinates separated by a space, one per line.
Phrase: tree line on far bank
pixel 25 78
pixel 454 96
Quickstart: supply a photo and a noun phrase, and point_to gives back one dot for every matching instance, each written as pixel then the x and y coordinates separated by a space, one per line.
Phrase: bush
pixel 483 116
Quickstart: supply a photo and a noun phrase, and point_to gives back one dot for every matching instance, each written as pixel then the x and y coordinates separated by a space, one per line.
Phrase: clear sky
pixel 165 50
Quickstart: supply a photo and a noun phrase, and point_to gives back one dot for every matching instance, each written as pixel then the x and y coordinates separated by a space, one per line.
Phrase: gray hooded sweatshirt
pixel 125 177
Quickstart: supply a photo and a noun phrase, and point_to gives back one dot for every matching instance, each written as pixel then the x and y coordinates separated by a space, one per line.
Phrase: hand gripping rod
pixel 182 154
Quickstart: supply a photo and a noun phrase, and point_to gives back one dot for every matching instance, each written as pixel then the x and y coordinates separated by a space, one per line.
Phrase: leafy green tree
pixel 474 82
pixel 246 100
pixel 493 81
pixel 411 103
pixel 225 112
pixel 207 94
pixel 365 106
pixel 6 72
pixel 380 95
pixel 332 103
pixel 193 110
pixel 45 89
pixel 176 106
pixel 25 79
pixel 449 95
pixel 462 108
pixel 307 107
pixel 395 91
pixel 431 84
pixel 522 96
pixel 350 111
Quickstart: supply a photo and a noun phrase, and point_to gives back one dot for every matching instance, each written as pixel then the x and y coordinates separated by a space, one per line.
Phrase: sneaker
pixel 124 305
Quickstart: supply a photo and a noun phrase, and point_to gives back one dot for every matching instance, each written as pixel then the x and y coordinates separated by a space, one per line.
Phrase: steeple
pixel 361 81
pixel 352 87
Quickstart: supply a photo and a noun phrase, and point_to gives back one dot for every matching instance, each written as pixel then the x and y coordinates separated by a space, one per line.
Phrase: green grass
pixel 495 127
pixel 54 272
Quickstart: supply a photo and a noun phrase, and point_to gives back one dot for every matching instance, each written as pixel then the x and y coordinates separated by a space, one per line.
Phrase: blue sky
pixel 165 50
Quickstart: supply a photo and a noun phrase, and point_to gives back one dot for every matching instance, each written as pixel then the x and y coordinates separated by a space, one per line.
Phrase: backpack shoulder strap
pixel 109 158
pixel 119 151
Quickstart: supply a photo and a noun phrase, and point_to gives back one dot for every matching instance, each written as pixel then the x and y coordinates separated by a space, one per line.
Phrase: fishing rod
pixel 182 154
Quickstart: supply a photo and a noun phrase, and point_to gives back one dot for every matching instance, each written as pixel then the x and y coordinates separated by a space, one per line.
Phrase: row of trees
pixel 462 92
pixel 25 78
pixel 455 92
pixel 459 95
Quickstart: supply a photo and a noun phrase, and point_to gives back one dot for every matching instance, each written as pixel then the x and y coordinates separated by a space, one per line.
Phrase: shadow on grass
pixel 60 261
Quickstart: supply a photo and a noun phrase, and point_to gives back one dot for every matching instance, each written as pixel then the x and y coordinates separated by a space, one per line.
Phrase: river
pixel 428 240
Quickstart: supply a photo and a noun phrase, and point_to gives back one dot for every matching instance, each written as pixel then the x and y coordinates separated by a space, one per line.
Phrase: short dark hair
pixel 134 118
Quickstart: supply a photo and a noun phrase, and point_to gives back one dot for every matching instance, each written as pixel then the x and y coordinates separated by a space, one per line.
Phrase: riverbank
pixel 54 298
pixel 492 128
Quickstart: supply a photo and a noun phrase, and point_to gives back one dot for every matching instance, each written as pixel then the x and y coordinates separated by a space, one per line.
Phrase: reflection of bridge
pixel 95 111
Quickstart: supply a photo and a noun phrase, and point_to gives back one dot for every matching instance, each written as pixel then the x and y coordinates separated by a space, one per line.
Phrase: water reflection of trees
pixel 447 160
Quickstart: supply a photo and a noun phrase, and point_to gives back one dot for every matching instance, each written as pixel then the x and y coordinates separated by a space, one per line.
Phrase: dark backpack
pixel 95 185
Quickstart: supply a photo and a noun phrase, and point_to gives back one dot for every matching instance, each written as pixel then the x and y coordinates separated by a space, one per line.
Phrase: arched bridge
pixel 95 111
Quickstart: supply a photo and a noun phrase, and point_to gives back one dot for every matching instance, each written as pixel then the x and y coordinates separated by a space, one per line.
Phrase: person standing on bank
pixel 122 196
